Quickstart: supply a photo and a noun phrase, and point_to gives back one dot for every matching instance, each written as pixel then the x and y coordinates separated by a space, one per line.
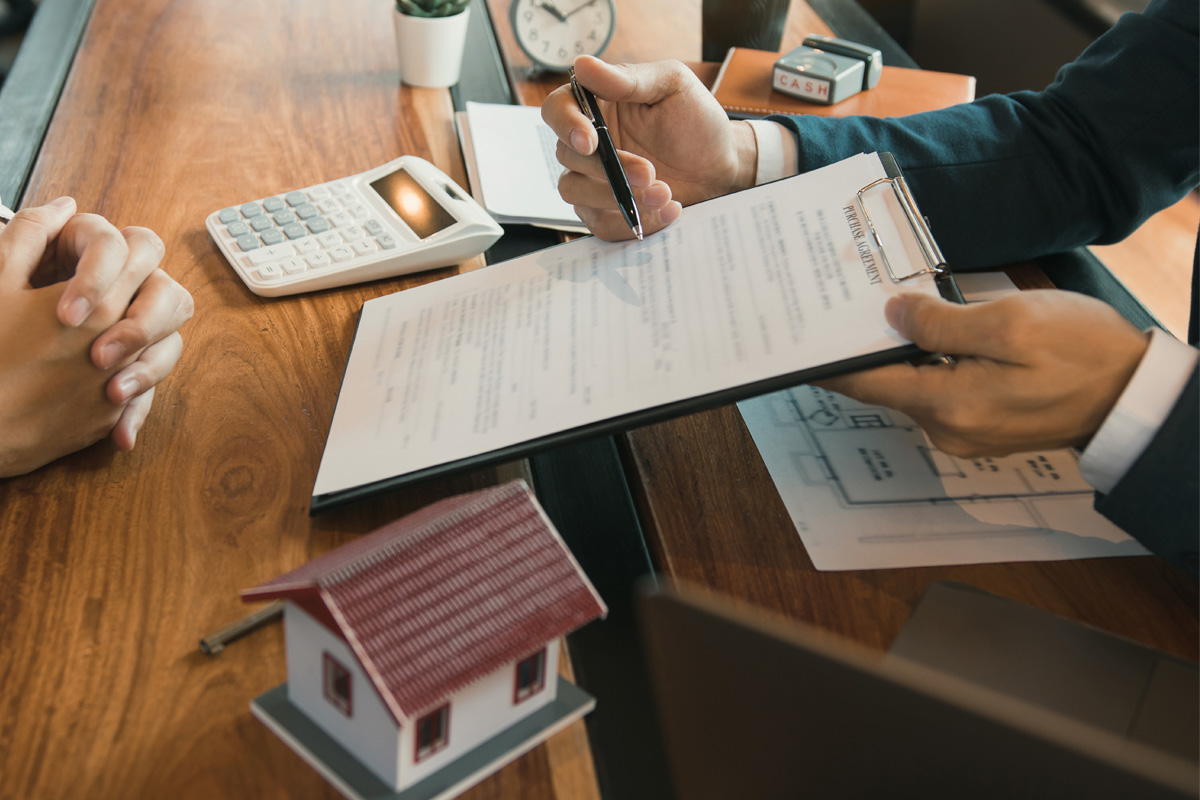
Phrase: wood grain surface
pixel 114 565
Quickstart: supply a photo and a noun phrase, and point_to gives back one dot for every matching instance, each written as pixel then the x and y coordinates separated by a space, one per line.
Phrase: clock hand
pixel 579 7
pixel 553 9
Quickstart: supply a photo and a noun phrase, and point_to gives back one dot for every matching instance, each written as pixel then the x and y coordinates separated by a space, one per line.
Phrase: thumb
pixel 940 326
pixel 23 242
pixel 632 83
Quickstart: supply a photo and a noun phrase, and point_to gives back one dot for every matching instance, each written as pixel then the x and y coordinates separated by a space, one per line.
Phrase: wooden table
pixel 114 565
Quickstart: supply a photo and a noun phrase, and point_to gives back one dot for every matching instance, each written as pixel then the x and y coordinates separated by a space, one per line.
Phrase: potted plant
pixel 431 36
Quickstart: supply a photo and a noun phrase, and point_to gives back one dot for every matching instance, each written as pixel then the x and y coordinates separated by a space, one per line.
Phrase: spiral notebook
pixel 744 294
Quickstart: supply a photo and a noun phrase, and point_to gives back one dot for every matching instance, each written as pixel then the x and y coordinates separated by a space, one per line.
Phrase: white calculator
pixel 405 216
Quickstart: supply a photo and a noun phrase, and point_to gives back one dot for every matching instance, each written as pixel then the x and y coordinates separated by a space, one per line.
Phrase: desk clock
pixel 553 32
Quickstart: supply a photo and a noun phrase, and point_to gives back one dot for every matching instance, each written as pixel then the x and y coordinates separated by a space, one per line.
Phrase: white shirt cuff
pixel 5 214
pixel 777 157
pixel 1140 411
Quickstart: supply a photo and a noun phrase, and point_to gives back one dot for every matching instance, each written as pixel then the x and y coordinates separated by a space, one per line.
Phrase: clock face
pixel 554 32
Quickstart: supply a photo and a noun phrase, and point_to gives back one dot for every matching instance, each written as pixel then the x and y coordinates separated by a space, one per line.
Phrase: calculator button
pixel 248 242
pixel 306 246
pixel 260 223
pixel 305 211
pixel 273 253
pixel 284 217
pixel 352 232
pixel 330 239
pixel 318 259
pixel 341 219
pixel 341 253
pixel 237 229
pixel 273 204
pixel 260 257
pixel 318 224
pixel 293 265
pixel 373 227
pixel 363 246
pixel 386 241
pixel 318 193
pixel 228 215
pixel 270 272
pixel 273 236
pixel 358 211
pixel 295 231
pixel 250 210
pixel 295 198
pixel 329 206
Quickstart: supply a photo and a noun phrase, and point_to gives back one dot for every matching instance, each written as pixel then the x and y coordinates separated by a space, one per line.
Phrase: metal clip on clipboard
pixel 933 255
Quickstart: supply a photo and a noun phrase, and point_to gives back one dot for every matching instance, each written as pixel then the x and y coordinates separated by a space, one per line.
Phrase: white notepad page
pixel 511 152
pixel 754 285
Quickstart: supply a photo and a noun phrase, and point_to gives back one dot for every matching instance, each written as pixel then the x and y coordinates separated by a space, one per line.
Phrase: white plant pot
pixel 431 48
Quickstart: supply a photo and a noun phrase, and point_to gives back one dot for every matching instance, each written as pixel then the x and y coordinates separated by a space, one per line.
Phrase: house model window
pixel 433 732
pixel 336 680
pixel 531 676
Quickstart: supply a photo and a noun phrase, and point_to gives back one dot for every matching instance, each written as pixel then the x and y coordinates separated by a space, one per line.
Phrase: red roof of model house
pixel 447 595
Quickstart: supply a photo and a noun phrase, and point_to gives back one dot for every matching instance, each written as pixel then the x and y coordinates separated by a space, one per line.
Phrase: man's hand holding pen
pixel 673 141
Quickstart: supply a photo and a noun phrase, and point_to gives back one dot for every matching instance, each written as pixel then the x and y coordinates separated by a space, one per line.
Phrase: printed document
pixel 866 489
pixel 772 281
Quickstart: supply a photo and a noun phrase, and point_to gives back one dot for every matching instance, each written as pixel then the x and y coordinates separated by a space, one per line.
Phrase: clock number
pixel 533 34
pixel 592 36
pixel 562 52
pixel 528 16
pixel 599 17
pixel 545 46
pixel 578 48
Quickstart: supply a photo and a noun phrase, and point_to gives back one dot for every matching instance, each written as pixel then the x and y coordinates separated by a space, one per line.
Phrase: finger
pixel 638 170
pixel 110 266
pixel 132 419
pixel 149 370
pixel 999 330
pixel 911 390
pixel 645 84
pixel 159 309
pixel 619 83
pixel 561 112
pixel 583 190
pixel 25 240
pixel 612 227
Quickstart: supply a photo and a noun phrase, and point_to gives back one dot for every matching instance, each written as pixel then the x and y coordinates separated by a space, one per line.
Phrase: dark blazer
pixel 1115 138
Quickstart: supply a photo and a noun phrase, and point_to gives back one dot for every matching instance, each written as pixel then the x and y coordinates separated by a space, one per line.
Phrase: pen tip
pixel 637 231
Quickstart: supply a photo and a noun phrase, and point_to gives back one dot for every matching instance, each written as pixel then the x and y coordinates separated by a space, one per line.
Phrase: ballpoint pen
pixel 608 156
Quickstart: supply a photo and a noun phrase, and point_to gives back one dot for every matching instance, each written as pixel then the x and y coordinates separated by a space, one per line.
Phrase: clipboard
pixel 933 265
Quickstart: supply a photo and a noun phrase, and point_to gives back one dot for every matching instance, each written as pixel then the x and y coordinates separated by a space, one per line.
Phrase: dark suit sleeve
pixel 1012 177
pixel 1158 500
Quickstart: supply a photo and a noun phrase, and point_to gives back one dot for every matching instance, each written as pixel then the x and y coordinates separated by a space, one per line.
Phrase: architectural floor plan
pixel 867 490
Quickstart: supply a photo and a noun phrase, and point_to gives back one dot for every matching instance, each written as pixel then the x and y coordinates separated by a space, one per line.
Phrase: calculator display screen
pixel 413 204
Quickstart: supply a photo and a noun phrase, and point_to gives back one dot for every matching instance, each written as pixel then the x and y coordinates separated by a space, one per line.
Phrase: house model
pixel 423 656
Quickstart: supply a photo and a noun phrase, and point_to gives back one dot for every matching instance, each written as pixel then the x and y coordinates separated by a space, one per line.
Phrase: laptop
pixel 755 706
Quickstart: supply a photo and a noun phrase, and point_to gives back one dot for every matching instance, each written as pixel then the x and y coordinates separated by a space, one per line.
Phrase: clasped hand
pixel 88 327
